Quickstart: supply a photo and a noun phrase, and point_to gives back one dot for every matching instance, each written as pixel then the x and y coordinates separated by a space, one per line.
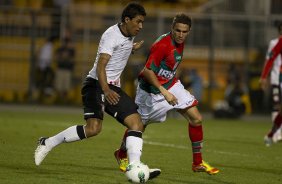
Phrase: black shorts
pixel 94 103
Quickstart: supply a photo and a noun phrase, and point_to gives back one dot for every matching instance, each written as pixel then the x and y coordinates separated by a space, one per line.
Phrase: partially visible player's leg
pixel 125 112
pixel 131 108
pixel 196 137
pixel 277 137
pixel 71 134
pixel 276 107
pixel 195 132
pixel 122 160
pixel 121 153
pixel 268 139
pixel 278 134
pixel 187 108
pixel 132 142
pixel 92 99
pixel 274 135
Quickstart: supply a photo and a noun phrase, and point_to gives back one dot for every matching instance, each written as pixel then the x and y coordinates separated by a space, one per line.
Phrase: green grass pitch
pixel 234 146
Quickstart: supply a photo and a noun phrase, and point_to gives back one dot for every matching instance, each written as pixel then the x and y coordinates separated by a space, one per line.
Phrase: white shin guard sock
pixel 134 147
pixel 67 135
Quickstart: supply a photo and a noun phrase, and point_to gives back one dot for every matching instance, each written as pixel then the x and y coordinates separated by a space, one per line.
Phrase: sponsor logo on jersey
pixel 166 73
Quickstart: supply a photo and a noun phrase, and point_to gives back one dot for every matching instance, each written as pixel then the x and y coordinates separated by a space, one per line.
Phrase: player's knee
pixel 94 130
pixel 197 121
pixel 137 126
pixel 133 122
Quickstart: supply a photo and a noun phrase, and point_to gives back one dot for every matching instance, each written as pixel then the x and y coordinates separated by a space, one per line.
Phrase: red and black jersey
pixel 164 57
pixel 271 58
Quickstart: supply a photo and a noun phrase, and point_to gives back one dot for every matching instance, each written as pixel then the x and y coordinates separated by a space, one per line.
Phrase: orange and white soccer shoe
pixel 205 167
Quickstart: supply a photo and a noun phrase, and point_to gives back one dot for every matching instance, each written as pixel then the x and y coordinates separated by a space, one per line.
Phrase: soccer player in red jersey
pixel 159 90
pixel 273 68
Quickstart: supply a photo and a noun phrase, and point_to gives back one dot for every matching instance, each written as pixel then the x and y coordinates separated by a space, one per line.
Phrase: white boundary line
pixel 187 148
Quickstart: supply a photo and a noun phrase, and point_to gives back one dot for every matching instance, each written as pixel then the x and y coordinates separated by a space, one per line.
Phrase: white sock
pixel 134 148
pixel 68 135
pixel 273 115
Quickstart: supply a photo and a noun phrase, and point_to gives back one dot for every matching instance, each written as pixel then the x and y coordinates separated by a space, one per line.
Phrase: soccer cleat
pixel 277 137
pixel 268 141
pixel 205 167
pixel 121 160
pixel 154 173
pixel 41 151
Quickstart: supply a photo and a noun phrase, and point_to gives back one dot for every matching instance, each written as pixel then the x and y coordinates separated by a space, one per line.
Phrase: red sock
pixel 122 150
pixel 276 125
pixel 196 137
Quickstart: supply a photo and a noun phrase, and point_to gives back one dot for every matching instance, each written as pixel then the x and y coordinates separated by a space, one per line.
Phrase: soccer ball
pixel 137 172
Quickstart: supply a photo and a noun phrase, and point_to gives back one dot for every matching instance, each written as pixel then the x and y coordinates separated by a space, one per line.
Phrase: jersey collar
pixel 119 26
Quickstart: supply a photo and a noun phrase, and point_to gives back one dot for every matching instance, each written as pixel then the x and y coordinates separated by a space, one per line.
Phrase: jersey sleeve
pixel 157 54
pixel 270 58
pixel 107 43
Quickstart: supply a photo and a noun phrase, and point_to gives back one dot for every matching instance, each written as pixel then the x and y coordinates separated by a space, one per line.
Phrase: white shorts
pixel 153 107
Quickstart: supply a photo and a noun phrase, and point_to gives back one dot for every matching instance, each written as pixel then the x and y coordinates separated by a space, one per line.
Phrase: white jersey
pixel 275 71
pixel 114 43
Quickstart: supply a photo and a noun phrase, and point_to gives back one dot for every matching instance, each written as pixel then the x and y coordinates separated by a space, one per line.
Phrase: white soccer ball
pixel 137 172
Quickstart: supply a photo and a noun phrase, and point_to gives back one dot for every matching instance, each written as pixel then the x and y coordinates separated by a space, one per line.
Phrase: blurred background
pixel 225 49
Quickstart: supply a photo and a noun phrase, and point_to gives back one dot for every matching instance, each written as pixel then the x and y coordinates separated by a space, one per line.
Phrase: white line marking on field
pixel 165 145
pixel 187 148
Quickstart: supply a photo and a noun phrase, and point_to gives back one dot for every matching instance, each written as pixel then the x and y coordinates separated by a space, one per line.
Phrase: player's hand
pixel 263 83
pixel 111 96
pixel 170 98
pixel 137 45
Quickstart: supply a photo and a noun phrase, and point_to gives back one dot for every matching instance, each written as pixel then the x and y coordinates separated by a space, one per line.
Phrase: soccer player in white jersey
pixel 159 90
pixel 276 87
pixel 101 90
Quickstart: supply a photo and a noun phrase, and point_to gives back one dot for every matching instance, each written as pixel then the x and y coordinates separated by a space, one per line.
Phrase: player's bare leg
pixel 195 131
pixel 268 139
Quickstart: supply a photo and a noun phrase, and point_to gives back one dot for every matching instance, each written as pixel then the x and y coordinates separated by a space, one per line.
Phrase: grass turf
pixel 234 146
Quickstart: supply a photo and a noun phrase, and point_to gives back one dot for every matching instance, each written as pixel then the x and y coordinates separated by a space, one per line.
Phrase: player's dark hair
pixel 182 18
pixel 132 10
